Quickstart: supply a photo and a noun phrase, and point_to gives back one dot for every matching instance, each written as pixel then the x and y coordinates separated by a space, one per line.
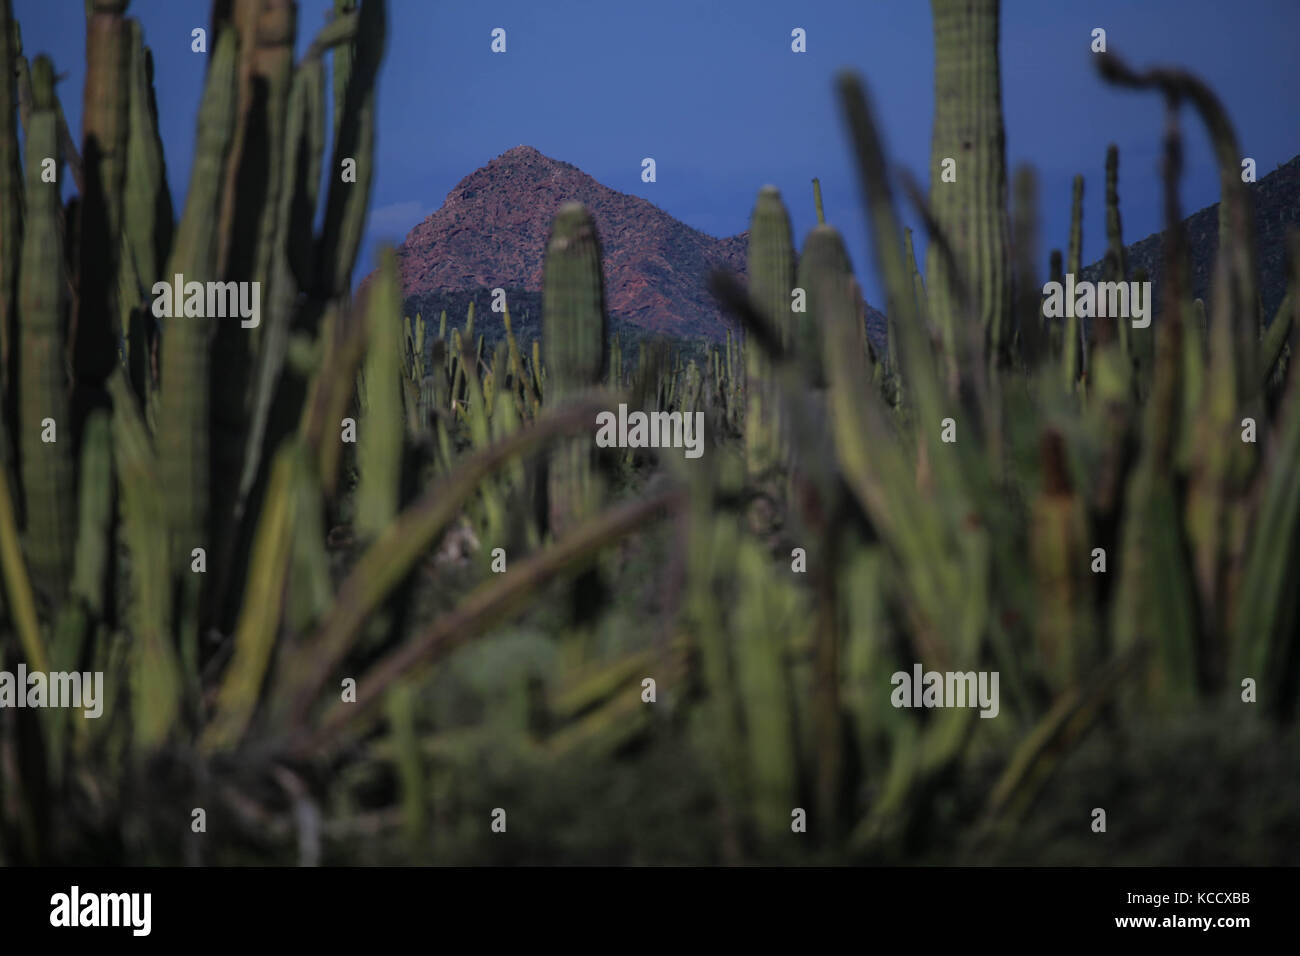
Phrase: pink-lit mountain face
pixel 491 232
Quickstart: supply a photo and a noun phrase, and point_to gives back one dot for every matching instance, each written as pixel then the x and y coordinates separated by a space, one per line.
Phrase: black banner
pixel 217 906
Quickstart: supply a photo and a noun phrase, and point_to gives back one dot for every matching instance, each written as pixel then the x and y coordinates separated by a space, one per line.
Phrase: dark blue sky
pixel 711 90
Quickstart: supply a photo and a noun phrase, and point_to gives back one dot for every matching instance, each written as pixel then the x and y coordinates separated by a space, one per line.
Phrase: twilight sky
pixel 712 91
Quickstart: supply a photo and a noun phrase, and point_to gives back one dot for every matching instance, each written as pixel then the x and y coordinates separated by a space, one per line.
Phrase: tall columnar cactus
pixel 272 71
pixel 574 331
pixel 1116 264
pixel 1073 355
pixel 1110 362
pixel 183 426
pixel 823 269
pixel 147 221
pixel 1222 466
pixel 343 57
pixel 771 269
pixel 105 123
pixel 1064 634
pixel 11 192
pixel 147 209
pixel 1024 231
pixel 968 128
pixel 918 285
pixel 380 450
pixel 45 432
pixel 347 201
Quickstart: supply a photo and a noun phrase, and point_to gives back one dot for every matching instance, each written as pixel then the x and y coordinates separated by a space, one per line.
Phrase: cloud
pixel 397 219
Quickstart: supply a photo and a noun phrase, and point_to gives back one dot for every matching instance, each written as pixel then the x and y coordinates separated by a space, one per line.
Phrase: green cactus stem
pixel 11 197
pixel 105 126
pixel 379 453
pixel 346 203
pixel 46 434
pixel 771 271
pixel 1074 356
pixel 183 423
pixel 574 332
pixel 1116 264
pixel 971 210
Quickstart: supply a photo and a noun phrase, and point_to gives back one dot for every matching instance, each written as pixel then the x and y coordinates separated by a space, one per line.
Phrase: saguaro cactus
pixel 574 331
pixel 771 268
pixel 968 128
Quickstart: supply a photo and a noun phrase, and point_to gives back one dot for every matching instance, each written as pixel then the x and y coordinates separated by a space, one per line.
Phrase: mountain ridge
pixel 656 267
pixel 1275 205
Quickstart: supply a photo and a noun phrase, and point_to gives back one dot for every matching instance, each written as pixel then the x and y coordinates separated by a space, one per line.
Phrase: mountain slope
pixel 1276 202
pixel 491 232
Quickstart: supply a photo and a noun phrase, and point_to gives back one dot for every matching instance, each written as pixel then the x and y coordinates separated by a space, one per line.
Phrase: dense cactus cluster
pixel 316 559
pixel 169 478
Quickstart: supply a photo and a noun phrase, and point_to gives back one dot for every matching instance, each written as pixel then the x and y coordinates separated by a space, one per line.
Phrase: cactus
pixel 968 128
pixel 962 556
pixel 11 199
pixel 1116 269
pixel 771 269
pixel 105 128
pixel 183 426
pixel 155 673
pixel 147 210
pixel 1065 634
pixel 824 264
pixel 1074 355
pixel 147 218
pixel 1027 312
pixel 45 427
pixel 574 332
pixel 380 447
pixel 345 206
pixel 1111 360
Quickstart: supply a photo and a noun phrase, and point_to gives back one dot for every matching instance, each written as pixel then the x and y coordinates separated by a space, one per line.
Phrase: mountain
pixel 1276 202
pixel 491 232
